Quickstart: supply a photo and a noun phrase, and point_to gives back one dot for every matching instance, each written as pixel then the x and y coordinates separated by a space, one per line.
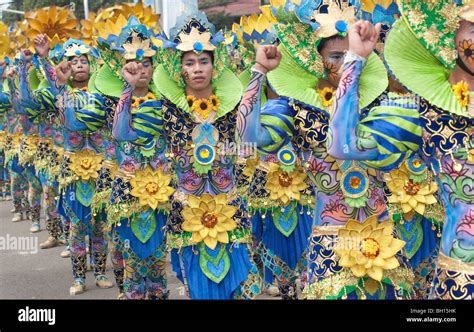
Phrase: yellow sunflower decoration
pixel 209 218
pixel 53 21
pixel 137 101
pixel 328 95
pixel 151 187
pixel 203 106
pixel 190 100
pixel 461 90
pixel 410 195
pixel 368 248
pixel 285 186
pixel 86 164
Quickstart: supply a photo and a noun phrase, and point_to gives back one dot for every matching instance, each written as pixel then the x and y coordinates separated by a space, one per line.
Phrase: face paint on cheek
pixel 331 70
pixel 185 76
pixel 466 50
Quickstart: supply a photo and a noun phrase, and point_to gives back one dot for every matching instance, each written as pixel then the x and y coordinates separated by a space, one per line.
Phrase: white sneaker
pixel 35 228
pixel 102 281
pixel 51 242
pixel 272 291
pixel 77 288
pixel 66 253
pixel 17 217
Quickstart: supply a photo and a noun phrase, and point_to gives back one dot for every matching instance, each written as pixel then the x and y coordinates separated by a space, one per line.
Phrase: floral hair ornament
pixel 195 41
pixel 73 48
pixel 335 22
pixel 301 28
pixel 133 43
pixel 467 12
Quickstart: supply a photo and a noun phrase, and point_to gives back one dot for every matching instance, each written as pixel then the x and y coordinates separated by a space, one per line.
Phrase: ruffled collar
pixel 420 71
pixel 227 88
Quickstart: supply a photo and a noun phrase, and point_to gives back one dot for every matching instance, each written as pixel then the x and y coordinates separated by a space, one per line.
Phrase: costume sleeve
pixel 34 103
pixel 4 97
pixel 82 110
pixel 140 125
pixel 382 139
pixel 267 127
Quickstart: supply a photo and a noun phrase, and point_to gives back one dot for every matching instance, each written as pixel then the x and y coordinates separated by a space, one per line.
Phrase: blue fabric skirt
pixel 201 287
pixel 291 248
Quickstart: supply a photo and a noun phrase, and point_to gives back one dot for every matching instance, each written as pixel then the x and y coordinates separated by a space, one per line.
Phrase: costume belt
pixel 451 264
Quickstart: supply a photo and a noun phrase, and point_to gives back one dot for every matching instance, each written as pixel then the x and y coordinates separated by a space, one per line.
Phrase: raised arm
pixel 249 126
pixel 122 129
pixel 4 100
pixel 41 44
pixel 344 139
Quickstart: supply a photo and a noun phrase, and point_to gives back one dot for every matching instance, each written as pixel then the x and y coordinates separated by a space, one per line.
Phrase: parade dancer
pixel 22 164
pixel 439 69
pixel 208 228
pixel 82 158
pixel 44 152
pixel 349 195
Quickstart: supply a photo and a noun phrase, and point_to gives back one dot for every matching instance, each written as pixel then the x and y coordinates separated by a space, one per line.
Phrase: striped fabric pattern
pixel 397 132
pixel 277 117
pixel 147 122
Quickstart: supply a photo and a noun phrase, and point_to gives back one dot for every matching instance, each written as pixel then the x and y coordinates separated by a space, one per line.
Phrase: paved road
pixel 43 274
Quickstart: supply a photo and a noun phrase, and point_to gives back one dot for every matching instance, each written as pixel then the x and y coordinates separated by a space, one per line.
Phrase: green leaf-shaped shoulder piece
pixel 107 82
pixel 292 81
pixel 420 71
pixel 227 88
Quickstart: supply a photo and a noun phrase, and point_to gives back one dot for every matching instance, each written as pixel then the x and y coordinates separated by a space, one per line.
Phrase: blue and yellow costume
pixel 423 65
pixel 208 229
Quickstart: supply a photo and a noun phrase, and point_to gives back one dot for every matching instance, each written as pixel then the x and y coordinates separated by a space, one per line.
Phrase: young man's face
pixel 80 68
pixel 333 56
pixel 197 70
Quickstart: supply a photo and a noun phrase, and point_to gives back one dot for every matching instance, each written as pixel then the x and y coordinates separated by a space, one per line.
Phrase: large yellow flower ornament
pixel 209 218
pixel 151 187
pixel 4 40
pixel 285 186
pixel 195 41
pixel 335 21
pixel 53 21
pixel 368 248
pixel 410 195
pixel 86 164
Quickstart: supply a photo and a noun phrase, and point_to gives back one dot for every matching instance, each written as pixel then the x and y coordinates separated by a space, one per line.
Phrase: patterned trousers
pixel 145 279
pixel 78 244
pixel 118 265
